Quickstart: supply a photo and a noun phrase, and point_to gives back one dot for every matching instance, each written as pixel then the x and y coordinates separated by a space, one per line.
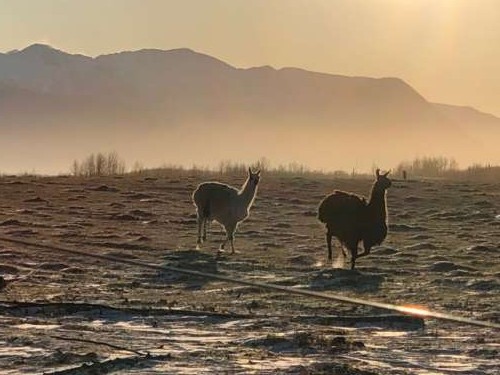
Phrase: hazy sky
pixel 449 50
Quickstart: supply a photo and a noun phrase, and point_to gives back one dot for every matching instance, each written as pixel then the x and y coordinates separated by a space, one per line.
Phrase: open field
pixel 67 314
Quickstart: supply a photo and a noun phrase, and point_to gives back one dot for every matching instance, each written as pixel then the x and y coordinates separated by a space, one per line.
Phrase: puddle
pixel 7 350
pixel 390 334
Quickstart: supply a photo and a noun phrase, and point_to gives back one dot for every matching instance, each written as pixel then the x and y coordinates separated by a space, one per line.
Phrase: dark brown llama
pixel 351 219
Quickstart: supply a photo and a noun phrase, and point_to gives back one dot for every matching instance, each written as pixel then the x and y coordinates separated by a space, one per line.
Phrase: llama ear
pixel 377 172
pixel 386 173
pixel 257 173
pixel 249 171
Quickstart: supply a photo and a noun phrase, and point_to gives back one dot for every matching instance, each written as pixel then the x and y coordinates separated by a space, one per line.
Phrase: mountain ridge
pixel 191 94
pixel 44 50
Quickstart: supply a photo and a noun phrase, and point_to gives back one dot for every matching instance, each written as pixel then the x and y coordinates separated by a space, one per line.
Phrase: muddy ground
pixel 67 314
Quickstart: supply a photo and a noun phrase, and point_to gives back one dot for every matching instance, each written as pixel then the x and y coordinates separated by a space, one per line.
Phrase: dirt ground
pixel 65 314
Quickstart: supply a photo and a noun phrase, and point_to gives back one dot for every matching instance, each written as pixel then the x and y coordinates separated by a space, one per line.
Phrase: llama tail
pixel 205 209
pixel 202 205
pixel 323 212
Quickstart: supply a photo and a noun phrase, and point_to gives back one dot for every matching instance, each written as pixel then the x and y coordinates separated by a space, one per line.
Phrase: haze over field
pixel 383 66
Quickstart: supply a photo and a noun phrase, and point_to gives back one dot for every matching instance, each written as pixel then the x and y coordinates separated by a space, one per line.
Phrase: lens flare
pixel 414 310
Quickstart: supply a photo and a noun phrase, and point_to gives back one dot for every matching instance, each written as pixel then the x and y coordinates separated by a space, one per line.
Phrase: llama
pixel 224 204
pixel 351 219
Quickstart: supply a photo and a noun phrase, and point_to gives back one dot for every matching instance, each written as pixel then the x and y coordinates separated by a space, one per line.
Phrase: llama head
pixel 382 182
pixel 253 177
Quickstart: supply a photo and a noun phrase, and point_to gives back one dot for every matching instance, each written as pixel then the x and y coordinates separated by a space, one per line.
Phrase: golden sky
pixel 449 50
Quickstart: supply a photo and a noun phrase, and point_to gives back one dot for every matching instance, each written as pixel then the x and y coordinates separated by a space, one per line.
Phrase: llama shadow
pixel 190 260
pixel 342 279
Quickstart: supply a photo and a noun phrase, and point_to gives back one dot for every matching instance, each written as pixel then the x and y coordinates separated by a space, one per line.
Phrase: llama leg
pixel 223 244
pixel 353 261
pixel 329 244
pixel 205 224
pixel 232 243
pixel 344 250
pixel 354 255
pixel 230 229
pixel 230 238
pixel 200 220
pixel 205 217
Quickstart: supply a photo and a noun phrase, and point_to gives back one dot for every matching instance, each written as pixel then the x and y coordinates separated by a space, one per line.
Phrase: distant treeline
pixel 228 167
pixel 442 167
pixel 425 167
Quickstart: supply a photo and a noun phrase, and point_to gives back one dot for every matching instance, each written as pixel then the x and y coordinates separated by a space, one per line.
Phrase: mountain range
pixel 183 107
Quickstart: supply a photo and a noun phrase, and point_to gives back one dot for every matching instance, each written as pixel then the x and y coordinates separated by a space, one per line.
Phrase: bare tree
pixel 99 165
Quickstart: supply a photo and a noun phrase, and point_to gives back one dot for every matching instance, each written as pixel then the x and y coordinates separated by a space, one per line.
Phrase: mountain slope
pixel 188 82
pixel 184 98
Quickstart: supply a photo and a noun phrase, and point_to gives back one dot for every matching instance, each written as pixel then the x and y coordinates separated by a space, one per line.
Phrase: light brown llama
pixel 224 204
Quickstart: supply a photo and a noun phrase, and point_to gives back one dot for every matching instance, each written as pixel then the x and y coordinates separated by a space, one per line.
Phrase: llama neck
pixel 377 203
pixel 247 193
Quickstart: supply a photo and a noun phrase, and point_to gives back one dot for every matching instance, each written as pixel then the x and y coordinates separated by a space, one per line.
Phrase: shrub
pixel 428 166
pixel 99 165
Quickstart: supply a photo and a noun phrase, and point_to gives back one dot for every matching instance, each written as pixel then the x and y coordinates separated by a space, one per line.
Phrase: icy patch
pixel 36 326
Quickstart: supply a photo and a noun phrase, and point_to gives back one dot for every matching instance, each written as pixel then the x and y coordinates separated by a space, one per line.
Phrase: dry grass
pixel 441 252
